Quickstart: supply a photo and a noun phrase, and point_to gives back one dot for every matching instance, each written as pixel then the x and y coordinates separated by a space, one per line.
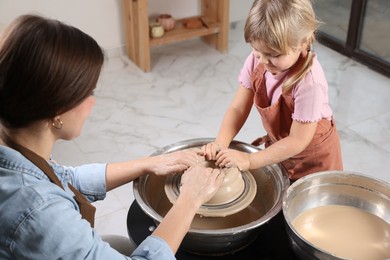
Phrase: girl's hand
pixel 211 150
pixel 233 158
pixel 199 184
pixel 178 161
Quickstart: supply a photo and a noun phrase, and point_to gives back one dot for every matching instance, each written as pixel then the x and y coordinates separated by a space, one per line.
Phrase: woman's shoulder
pixel 28 206
pixel 23 186
pixel 22 192
pixel 40 213
pixel 12 160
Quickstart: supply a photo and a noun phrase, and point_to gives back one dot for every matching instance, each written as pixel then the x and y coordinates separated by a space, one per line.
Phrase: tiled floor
pixel 185 97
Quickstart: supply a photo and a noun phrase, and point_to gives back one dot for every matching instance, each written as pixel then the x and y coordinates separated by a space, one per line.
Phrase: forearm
pixel 121 173
pixel 232 123
pixel 177 222
pixel 235 116
pixel 299 138
pixel 277 152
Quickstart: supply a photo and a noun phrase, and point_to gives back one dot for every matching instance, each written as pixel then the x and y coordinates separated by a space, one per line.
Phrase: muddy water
pixel 345 231
pixel 251 213
pixel 243 217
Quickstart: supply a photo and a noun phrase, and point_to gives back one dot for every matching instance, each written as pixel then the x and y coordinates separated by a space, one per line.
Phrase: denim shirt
pixel 39 220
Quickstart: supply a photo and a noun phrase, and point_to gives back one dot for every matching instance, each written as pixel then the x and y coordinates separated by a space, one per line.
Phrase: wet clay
pixel 345 231
pixel 235 193
pixel 231 187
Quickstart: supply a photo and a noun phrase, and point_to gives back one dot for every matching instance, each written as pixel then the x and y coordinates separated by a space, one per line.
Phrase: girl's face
pixel 74 119
pixel 275 62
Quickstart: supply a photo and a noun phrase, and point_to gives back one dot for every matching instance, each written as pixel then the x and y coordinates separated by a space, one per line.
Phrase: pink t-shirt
pixel 310 94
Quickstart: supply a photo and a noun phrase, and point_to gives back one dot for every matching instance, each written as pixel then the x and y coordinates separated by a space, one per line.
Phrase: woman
pixel 48 71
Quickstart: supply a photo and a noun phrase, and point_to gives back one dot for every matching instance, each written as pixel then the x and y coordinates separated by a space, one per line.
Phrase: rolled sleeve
pixel 153 247
pixel 92 179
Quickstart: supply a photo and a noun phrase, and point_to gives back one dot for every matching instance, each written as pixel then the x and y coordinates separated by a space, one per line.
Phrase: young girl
pixel 284 80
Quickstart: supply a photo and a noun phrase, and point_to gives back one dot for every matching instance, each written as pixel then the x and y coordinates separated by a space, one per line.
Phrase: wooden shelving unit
pixel 214 15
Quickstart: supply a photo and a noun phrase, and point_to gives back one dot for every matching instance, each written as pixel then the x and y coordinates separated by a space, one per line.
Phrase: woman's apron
pixel 323 152
pixel 86 209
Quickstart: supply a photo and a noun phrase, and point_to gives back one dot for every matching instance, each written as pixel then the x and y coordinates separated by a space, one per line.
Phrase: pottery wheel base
pixel 172 185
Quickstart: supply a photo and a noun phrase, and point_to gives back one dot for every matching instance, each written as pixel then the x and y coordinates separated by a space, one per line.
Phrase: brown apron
pixel 86 209
pixel 323 152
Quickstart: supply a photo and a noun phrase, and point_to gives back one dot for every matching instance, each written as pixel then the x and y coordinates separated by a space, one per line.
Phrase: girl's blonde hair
pixel 283 25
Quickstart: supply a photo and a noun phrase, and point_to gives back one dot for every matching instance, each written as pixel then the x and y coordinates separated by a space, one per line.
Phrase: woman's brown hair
pixel 46 68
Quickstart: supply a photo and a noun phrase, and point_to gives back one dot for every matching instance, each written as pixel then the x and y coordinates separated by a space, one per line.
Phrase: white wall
pixel 183 8
pixel 102 19
pixel 239 9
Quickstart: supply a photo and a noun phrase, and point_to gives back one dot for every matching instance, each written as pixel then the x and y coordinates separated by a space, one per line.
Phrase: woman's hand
pixel 178 161
pixel 199 184
pixel 210 150
pixel 233 158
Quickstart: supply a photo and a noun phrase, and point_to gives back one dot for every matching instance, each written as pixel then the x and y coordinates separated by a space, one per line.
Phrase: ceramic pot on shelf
pixel 166 21
pixel 156 30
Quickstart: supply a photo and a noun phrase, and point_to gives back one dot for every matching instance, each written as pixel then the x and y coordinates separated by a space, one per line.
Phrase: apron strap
pixel 87 210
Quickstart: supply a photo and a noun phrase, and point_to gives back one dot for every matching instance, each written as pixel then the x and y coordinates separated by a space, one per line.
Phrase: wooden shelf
pixel 214 16
pixel 181 33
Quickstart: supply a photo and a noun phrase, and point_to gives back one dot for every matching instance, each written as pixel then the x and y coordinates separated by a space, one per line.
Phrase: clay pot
pixel 167 21
pixel 192 23
pixel 156 30
pixel 236 192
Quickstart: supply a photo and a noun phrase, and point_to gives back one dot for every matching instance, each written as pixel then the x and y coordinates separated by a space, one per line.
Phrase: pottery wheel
pixel 236 192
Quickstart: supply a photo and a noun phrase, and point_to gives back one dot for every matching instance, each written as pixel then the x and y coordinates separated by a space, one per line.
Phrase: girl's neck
pixel 34 138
